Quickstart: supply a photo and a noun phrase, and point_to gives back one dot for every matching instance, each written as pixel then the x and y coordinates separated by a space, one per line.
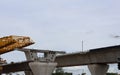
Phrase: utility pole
pixel 82 45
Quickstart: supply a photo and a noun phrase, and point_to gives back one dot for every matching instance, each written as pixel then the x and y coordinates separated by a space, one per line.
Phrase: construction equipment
pixel 9 43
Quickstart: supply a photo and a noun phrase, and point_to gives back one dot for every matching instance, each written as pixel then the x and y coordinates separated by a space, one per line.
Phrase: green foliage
pixel 62 74
pixel 83 74
pixel 119 66
pixel 60 71
pixel 111 74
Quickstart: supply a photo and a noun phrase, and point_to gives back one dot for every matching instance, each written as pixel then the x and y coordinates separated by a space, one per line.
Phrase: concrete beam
pixel 94 56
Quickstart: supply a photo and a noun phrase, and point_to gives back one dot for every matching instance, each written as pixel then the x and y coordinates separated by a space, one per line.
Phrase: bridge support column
pixel 98 69
pixel 28 73
pixel 39 68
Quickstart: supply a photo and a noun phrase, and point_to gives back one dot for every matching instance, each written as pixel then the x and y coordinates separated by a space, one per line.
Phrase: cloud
pixel 62 25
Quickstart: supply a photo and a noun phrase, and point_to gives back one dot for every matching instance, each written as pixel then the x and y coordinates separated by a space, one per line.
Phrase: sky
pixel 61 24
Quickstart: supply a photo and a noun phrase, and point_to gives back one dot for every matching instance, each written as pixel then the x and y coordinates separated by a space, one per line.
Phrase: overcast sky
pixel 61 24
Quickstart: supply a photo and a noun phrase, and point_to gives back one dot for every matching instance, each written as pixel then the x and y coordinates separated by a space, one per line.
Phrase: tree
pixel 111 74
pixel 119 66
pixel 59 70
pixel 83 74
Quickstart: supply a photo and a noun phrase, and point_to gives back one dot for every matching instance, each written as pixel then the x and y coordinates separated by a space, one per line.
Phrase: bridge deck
pixel 94 56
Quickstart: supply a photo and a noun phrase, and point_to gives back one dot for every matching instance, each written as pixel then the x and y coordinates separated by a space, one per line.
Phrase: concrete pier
pixel 28 73
pixel 98 69
pixel 39 68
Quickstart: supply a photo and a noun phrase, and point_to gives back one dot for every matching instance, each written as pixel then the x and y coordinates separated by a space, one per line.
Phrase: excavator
pixel 12 42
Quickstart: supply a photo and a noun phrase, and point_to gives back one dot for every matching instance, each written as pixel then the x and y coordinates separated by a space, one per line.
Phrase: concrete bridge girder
pixel 103 56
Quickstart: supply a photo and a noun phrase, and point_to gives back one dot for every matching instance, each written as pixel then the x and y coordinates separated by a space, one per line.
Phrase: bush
pixel 111 74
pixel 62 74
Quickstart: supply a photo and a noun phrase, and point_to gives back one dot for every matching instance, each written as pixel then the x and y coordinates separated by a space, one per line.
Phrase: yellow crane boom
pixel 9 43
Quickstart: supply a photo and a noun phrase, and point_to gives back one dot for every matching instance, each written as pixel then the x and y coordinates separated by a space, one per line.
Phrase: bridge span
pixel 106 55
pixel 96 59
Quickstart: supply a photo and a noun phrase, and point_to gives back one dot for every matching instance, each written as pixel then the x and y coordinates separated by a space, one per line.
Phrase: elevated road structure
pixel 96 59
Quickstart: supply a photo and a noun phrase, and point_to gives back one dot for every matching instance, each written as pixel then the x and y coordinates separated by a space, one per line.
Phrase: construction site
pixel 96 59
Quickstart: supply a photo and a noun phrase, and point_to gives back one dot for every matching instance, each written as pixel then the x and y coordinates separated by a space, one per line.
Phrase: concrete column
pixel 28 73
pixel 39 68
pixel 98 69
